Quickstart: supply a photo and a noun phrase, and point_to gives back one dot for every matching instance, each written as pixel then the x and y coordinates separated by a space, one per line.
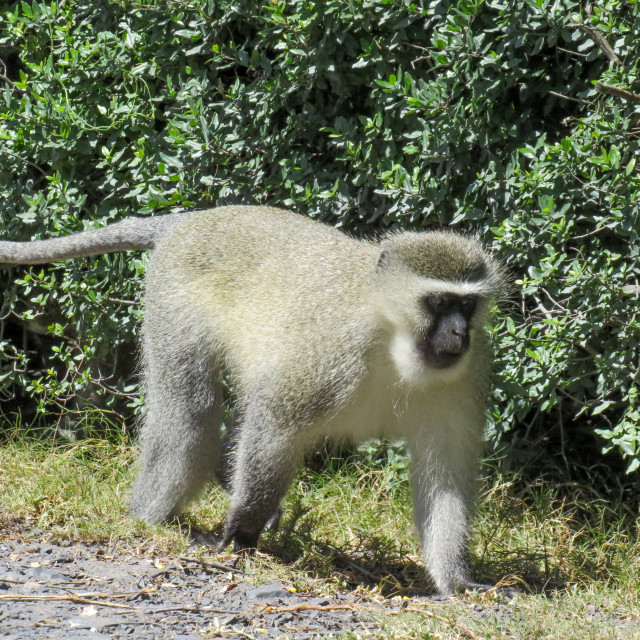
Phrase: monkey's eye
pixel 440 302
pixel 436 303
pixel 468 304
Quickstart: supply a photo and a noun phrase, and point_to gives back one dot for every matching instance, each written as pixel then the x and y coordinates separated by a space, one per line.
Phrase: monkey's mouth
pixel 439 358
pixel 443 359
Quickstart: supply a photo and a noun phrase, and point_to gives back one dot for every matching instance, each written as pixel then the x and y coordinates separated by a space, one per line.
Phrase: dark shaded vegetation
pixel 482 116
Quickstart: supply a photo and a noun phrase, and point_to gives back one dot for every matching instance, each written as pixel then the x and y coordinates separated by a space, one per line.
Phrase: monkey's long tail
pixel 126 235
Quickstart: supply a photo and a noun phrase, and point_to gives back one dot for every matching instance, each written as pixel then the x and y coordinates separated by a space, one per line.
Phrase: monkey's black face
pixel 446 339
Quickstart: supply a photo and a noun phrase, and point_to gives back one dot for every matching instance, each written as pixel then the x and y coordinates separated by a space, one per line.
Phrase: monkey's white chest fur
pixel 390 401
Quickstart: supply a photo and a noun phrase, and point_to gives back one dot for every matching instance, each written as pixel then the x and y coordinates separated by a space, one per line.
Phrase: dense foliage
pixel 370 114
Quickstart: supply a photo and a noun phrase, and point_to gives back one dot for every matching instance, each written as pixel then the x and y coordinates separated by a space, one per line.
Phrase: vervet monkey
pixel 321 335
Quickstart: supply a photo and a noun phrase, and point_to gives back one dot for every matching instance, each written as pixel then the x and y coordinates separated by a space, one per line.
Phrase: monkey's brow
pixel 447 291
pixel 460 288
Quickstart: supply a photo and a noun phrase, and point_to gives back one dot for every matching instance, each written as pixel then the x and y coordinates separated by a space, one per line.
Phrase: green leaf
pixel 630 167
pixel 601 407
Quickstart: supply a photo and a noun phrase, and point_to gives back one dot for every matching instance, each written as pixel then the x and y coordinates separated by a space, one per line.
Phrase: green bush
pixel 481 115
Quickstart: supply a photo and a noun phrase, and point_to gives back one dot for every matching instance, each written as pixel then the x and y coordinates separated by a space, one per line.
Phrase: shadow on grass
pixel 370 562
pixel 378 562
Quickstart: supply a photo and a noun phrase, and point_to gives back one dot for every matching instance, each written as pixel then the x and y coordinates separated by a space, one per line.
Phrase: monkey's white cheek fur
pixel 413 370
pixel 408 362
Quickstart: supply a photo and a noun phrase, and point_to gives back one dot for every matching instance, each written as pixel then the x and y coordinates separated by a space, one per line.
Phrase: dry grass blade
pixel 67 598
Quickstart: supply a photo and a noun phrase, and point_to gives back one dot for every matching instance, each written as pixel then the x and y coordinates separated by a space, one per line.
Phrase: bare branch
pixel 617 91
pixel 598 37
pixel 561 95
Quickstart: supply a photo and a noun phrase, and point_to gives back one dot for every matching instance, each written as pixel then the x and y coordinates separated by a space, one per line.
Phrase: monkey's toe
pixel 243 548
pixel 243 541
pixel 274 521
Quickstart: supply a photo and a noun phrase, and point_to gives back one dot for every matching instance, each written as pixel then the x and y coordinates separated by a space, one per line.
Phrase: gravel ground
pixel 81 590
pixel 76 590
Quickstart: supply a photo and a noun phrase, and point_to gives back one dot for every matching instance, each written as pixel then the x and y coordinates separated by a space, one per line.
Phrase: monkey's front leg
pixel 267 456
pixel 445 459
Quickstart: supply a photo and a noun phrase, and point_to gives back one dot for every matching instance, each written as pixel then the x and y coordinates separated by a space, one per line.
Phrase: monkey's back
pixel 281 296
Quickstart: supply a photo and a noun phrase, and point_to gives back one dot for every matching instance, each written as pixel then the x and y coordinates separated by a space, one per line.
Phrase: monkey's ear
pixel 383 260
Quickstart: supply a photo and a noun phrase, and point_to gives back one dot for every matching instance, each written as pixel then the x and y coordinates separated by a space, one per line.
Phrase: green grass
pixel 576 561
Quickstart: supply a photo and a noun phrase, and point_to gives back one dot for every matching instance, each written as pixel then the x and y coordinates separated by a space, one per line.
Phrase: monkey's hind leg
pixel 180 438
pixel 266 457
pixel 224 471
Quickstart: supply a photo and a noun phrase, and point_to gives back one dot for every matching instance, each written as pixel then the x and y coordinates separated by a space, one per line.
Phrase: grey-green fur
pixel 126 235
pixel 319 334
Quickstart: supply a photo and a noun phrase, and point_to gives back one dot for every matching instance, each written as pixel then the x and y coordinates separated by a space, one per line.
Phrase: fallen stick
pixel 68 598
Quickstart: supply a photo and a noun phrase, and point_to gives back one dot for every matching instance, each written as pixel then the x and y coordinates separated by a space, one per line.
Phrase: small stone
pixel 284 618
pixel 268 592
pixel 64 559
pixel 43 573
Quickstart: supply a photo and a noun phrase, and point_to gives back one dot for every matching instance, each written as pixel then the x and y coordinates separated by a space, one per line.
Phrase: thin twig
pixel 205 609
pixel 120 301
pixel 598 37
pixel 75 599
pixel 589 234
pixel 31 164
pixel 209 563
pixel 312 607
pixel 11 83
pixel 88 599
pixel 3 76
pixel 561 95
pixel 573 53
pixel 124 594
pixel 617 91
